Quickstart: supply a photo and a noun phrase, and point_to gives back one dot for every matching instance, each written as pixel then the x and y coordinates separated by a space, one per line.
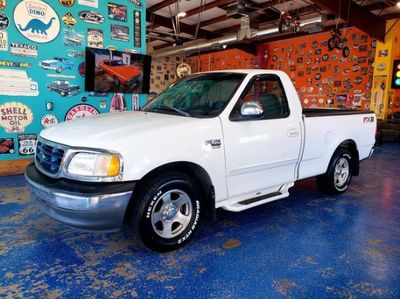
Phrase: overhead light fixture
pixel 182 14
pixel 398 4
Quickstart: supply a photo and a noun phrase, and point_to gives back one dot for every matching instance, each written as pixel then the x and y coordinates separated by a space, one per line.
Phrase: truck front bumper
pixel 87 206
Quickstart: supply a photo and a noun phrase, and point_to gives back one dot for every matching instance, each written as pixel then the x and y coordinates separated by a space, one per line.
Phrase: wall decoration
pixel 48 120
pixel 117 12
pixel 15 117
pixel 27 144
pixel 135 102
pixel 57 64
pixel 3 4
pixel 37 21
pixel 89 16
pixel 103 104
pixel 6 146
pixel 3 41
pixel 118 103
pixel 95 38
pixel 67 3
pixel 24 50
pixel 91 3
pixel 137 29
pixel 81 111
pixel 321 74
pixel 64 88
pixel 32 65
pixel 69 20
pixel 183 70
pixel 73 38
pixel 137 3
pixel 17 83
pixel 4 21
pixel 119 32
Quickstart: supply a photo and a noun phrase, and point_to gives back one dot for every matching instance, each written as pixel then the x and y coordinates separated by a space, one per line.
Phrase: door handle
pixel 293 133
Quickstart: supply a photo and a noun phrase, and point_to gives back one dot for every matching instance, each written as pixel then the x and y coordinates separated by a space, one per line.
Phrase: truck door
pixel 261 153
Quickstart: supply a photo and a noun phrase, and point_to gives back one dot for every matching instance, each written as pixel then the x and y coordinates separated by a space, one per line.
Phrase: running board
pixel 255 201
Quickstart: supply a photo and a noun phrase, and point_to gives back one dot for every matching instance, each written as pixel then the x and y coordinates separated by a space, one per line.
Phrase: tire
pixel 296 29
pixel 346 52
pixel 338 176
pixel 167 212
pixel 116 81
pixel 331 44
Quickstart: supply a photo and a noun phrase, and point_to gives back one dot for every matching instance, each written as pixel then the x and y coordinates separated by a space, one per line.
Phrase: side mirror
pixel 251 110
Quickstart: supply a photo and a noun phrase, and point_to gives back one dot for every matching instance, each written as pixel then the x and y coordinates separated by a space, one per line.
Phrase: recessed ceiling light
pixel 398 4
pixel 182 14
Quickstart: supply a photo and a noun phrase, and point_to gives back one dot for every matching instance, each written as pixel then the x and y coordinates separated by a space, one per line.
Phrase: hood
pixel 105 130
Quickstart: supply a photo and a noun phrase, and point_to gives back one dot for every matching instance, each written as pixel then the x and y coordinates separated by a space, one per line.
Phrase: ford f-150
pixel 225 139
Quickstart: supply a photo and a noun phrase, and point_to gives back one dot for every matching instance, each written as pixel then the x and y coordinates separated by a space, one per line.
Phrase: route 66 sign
pixel 27 144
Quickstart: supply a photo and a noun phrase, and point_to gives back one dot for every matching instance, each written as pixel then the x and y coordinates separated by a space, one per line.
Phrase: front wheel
pixel 167 211
pixel 338 176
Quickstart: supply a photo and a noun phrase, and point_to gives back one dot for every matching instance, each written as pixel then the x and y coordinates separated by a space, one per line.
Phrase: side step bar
pixel 256 201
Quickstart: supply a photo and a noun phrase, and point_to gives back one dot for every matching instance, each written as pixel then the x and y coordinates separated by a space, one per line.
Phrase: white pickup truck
pixel 226 139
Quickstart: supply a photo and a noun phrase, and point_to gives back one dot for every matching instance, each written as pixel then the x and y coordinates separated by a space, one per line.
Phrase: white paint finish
pixel 255 158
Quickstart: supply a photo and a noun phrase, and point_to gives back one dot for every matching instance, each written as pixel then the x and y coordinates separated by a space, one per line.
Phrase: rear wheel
pixel 338 176
pixel 331 44
pixel 282 26
pixel 167 211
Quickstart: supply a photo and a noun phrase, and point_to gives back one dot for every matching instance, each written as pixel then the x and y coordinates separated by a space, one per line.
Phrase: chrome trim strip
pixel 261 167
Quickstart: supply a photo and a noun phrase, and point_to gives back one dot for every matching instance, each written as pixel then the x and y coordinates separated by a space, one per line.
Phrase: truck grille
pixel 49 157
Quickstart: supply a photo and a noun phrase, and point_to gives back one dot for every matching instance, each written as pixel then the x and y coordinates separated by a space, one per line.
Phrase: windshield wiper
pixel 167 108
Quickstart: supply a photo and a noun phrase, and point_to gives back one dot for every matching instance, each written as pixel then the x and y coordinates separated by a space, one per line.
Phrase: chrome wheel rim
pixel 171 214
pixel 342 172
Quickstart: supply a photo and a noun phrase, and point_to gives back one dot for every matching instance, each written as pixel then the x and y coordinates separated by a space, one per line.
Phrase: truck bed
pixel 317 112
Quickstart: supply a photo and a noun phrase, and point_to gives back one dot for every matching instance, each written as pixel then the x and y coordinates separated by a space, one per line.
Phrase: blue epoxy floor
pixel 306 246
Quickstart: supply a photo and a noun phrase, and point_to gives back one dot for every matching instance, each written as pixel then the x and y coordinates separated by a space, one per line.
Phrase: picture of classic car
pixel 95 41
pixel 121 73
pixel 72 38
pixel 17 83
pixel 64 88
pixel 58 64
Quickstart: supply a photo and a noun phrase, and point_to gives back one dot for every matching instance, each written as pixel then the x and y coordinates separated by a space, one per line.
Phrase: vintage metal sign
pixel 27 144
pixel 15 117
pixel 3 41
pixel 91 17
pixel 24 50
pixel 67 3
pixel 37 21
pixel 81 111
pixel 69 20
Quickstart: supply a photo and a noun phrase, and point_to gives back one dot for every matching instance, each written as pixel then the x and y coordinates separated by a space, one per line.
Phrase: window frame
pixel 233 114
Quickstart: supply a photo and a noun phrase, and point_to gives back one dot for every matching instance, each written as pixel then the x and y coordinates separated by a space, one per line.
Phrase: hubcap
pixel 342 171
pixel 171 214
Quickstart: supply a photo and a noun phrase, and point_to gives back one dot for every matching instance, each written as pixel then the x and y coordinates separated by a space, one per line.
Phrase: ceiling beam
pixel 214 20
pixel 208 6
pixel 358 17
pixel 158 20
pixel 160 5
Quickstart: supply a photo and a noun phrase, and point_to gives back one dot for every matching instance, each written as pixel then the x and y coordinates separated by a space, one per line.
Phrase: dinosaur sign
pixel 36 20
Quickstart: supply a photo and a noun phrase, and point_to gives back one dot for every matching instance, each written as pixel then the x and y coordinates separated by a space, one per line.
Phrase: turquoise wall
pixel 13 117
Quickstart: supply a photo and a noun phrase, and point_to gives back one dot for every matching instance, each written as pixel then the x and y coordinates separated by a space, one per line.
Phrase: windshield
pixel 201 95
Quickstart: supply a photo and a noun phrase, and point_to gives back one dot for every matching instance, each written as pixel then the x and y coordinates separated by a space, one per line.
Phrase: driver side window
pixel 268 92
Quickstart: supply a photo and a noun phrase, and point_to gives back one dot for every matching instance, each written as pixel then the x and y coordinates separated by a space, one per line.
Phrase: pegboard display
pixel 42 69
pixel 325 78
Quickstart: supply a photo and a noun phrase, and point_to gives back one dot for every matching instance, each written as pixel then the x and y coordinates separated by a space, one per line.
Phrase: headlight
pixel 101 165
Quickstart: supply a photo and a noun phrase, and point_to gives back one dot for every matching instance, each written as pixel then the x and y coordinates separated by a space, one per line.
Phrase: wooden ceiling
pixel 208 19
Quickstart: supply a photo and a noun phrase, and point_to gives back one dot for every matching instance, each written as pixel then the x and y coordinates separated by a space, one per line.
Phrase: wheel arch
pixel 195 171
pixel 351 145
